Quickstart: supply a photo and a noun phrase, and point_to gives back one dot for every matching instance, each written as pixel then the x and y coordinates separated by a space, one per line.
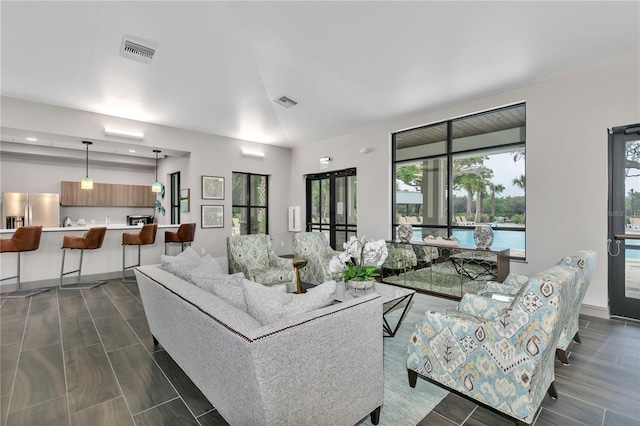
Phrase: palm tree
pixel 495 189
pixel 520 182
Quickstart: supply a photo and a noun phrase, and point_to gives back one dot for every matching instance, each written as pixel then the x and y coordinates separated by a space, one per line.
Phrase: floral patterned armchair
pixel 254 256
pixel 315 249
pixel 505 359
pixel 401 257
pixel 584 263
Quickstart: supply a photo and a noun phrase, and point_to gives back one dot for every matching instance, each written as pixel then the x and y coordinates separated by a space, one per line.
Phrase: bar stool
pixel 91 240
pixel 26 238
pixel 185 234
pixel 147 235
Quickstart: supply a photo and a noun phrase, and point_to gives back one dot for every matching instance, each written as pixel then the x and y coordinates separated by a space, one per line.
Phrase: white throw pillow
pixel 268 306
pixel 181 264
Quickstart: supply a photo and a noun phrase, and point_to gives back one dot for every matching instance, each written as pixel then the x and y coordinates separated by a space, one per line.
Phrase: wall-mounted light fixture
pixel 325 162
pixel 248 153
pixel 87 182
pixel 156 186
pixel 365 150
pixel 109 131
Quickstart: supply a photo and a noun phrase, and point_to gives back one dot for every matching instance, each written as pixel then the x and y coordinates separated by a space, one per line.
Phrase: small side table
pixel 297 264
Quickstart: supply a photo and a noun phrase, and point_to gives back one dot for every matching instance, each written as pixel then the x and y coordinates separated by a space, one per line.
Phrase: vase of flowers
pixel 359 262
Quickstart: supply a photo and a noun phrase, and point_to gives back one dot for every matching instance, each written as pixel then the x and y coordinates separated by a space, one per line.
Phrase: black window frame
pixel 248 205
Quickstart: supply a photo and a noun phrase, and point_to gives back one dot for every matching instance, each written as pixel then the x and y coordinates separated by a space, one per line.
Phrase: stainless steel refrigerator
pixel 22 209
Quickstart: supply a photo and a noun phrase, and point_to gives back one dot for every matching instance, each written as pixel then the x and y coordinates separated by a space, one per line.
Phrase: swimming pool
pixel 501 238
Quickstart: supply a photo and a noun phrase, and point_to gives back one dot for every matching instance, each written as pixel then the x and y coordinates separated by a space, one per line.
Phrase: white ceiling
pixel 350 65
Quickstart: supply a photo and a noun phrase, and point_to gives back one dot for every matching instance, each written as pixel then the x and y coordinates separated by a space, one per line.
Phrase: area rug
pixel 404 406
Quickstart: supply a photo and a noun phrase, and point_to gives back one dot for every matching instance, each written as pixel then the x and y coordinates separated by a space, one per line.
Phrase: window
pixel 250 209
pixel 175 197
pixel 331 205
pixel 453 175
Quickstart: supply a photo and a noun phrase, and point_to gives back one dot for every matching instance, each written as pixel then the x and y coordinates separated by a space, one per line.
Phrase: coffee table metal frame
pixel 402 294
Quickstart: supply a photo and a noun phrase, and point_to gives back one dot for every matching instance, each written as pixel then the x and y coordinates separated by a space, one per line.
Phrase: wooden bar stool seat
pixel 147 235
pixel 185 234
pixel 26 238
pixel 91 240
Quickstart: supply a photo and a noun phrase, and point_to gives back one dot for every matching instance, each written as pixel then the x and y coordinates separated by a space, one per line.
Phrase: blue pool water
pixel 501 238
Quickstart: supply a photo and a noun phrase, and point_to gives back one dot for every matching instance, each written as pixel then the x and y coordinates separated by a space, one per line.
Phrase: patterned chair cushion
pixel 401 256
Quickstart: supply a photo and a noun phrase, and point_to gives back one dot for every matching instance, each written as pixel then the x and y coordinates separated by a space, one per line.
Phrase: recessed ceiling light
pixel 32 139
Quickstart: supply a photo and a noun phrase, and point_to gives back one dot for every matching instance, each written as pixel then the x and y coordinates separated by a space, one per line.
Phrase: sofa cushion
pixel 181 264
pixel 268 306
pixel 229 287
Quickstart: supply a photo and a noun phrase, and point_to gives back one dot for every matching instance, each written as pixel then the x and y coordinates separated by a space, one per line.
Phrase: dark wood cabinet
pixel 106 195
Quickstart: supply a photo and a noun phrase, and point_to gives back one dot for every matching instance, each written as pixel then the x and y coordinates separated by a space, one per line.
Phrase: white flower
pixel 336 265
pixel 375 253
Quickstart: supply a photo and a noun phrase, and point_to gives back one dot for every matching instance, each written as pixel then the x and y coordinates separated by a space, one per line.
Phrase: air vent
pixel 134 49
pixel 285 101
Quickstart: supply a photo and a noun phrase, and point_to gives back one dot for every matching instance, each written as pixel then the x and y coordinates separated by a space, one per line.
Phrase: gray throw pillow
pixel 268 306
pixel 181 264
pixel 226 287
pixel 207 266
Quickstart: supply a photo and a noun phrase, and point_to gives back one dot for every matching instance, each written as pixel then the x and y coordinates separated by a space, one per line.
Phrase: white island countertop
pixel 114 227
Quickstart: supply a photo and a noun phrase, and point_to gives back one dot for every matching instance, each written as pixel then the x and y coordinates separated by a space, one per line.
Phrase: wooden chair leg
pixel 413 378
pixel 552 391
pixel 375 416
pixel 576 338
pixel 562 356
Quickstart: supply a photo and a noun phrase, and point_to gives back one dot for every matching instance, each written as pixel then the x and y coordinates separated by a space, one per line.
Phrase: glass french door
pixel 331 205
pixel 624 221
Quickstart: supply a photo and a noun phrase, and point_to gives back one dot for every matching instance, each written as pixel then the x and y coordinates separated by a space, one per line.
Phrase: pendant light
pixel 156 186
pixel 87 182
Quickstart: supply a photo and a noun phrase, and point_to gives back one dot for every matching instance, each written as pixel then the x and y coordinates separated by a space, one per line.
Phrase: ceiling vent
pixel 136 50
pixel 285 101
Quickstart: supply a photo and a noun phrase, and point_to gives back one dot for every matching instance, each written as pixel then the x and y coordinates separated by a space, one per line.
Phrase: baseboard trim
pixel 33 285
pixel 595 311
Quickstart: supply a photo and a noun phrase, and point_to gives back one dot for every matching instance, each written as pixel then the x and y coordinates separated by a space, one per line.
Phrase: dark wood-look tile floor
pixel 86 358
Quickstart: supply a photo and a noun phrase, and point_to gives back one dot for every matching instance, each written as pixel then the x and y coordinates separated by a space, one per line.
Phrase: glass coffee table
pixel 391 295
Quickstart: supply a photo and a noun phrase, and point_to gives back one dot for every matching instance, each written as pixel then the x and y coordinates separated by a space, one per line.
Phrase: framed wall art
pixel 184 200
pixel 212 188
pixel 212 217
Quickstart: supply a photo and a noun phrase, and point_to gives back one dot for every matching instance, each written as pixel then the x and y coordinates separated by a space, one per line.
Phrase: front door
pixel 331 205
pixel 624 221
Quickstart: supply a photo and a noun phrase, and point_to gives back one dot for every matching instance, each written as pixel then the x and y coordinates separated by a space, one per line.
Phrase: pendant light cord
pixel 87 143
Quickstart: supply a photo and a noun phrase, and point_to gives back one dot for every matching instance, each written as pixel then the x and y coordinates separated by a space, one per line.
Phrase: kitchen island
pixel 41 268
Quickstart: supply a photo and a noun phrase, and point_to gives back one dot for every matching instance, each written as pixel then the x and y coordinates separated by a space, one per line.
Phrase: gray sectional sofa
pixel 322 367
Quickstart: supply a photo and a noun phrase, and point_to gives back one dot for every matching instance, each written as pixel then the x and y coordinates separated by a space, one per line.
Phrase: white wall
pixel 211 155
pixel 566 164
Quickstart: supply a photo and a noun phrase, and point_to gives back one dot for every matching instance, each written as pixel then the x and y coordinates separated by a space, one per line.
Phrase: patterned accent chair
pixel 401 257
pixel 505 360
pixel 584 263
pixel 425 254
pixel 254 256
pixel 315 249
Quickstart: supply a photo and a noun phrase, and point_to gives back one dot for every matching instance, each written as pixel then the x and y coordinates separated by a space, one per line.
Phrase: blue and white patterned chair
pixel 254 256
pixel 584 263
pixel 315 249
pixel 503 359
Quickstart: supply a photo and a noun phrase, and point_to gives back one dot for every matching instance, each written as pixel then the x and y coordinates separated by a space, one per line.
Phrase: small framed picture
pixel 184 200
pixel 212 217
pixel 212 188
